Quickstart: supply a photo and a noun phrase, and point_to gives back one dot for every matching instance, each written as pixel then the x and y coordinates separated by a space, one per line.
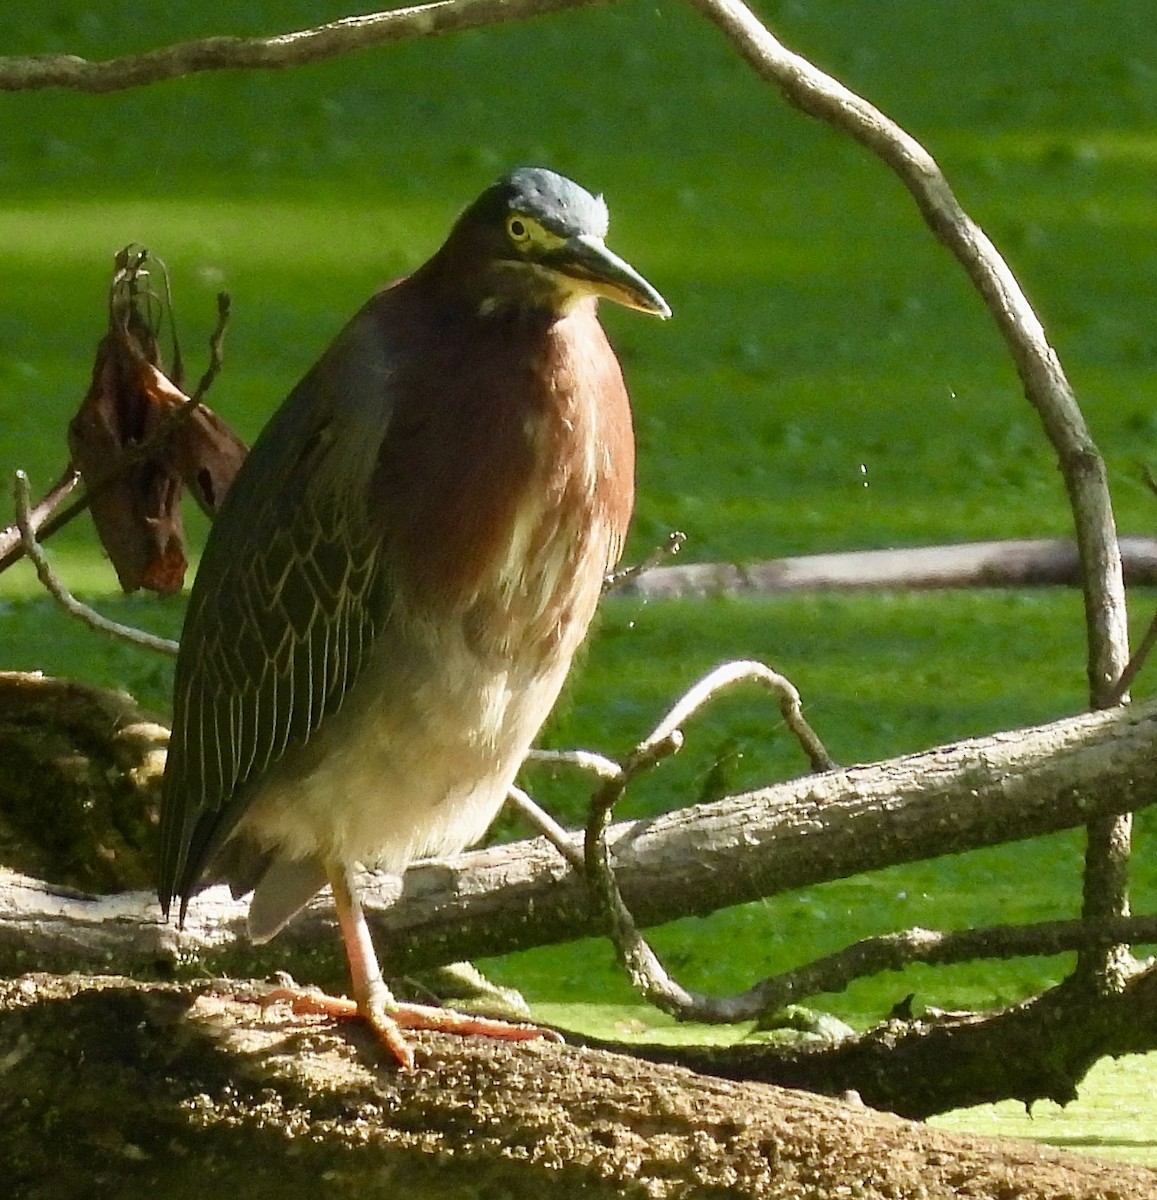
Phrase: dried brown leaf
pixel 131 401
pixel 136 512
pixel 203 450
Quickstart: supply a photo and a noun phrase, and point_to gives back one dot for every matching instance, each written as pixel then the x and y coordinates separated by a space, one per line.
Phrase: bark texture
pixel 117 1088
pixel 1039 1050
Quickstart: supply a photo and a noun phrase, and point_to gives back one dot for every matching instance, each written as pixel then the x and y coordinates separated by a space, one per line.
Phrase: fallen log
pixel 1025 562
pixel 187 1090
pixel 979 792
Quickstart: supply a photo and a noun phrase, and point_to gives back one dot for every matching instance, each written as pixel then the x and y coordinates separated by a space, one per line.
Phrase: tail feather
pixel 286 886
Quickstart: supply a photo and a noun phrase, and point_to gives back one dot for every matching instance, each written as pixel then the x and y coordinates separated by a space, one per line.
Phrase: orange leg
pixel 372 1000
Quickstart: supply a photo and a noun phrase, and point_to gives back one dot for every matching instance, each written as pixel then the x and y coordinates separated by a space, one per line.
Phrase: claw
pixel 387 1018
pixel 373 1002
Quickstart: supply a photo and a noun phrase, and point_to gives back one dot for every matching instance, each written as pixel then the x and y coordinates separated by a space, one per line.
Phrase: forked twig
pixel 647 973
pixel 63 597
pixel 738 672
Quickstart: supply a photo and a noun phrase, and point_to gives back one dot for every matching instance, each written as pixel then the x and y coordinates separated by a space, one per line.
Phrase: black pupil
pixel 517 228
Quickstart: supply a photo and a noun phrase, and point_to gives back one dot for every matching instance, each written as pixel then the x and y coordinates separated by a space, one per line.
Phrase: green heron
pixel 391 596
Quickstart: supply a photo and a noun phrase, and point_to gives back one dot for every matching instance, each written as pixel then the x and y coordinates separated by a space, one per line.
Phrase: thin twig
pixel 1133 667
pixel 177 373
pixel 585 760
pixel 738 672
pixel 53 498
pixel 11 538
pixel 60 593
pixel 284 50
pixel 895 951
pixel 564 842
pixel 216 349
pixel 646 971
pixel 670 548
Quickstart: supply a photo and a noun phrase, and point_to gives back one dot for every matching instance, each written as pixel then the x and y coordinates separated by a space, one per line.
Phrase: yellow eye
pixel 518 228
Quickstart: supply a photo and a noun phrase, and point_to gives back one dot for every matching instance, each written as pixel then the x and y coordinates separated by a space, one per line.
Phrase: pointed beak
pixel 587 260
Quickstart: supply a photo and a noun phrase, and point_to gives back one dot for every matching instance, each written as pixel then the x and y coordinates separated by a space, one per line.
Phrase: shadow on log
pixel 116 1088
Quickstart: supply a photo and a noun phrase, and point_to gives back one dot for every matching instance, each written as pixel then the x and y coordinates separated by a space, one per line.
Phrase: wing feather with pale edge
pixel 285 606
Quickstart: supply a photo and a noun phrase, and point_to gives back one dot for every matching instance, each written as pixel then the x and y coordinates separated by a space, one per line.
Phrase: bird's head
pixel 535 241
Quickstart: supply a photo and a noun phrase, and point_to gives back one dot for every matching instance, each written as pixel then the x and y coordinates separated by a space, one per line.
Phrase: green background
pixel 829 380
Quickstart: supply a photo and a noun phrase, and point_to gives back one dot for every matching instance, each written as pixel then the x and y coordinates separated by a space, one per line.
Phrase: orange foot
pixel 387 1019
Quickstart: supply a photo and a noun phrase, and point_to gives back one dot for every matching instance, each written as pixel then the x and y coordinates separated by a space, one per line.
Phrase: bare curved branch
pixel 63 597
pixel 282 50
pixel 739 672
pixel 895 951
pixel 1045 386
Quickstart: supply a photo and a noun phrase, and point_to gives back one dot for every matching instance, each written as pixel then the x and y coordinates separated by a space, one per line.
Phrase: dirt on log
pixel 114 1087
